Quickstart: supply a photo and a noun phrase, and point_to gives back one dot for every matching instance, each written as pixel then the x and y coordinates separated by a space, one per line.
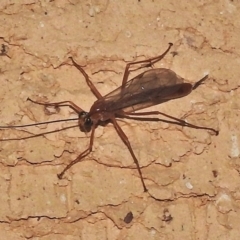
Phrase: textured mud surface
pixel 192 176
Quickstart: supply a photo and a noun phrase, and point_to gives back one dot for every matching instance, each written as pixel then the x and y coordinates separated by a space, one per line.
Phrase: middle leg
pixel 127 143
pixel 70 104
pixel 149 62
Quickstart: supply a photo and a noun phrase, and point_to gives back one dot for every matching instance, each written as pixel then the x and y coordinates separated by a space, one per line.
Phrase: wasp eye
pixel 88 121
pixel 82 114
pixel 85 122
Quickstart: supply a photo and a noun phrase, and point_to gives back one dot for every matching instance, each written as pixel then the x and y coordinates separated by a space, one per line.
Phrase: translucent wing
pixel 147 89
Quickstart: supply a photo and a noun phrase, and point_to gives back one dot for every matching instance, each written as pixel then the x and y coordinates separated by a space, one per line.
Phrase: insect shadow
pixel 149 88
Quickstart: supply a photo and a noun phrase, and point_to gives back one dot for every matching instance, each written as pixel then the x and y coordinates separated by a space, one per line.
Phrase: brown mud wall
pixel 192 175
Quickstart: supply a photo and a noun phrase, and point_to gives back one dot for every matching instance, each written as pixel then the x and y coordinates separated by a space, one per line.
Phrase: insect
pixel 166 216
pixel 128 218
pixel 3 50
pixel 149 88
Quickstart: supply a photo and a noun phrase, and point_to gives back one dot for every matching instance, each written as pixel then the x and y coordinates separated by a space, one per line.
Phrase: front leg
pixel 89 82
pixel 81 156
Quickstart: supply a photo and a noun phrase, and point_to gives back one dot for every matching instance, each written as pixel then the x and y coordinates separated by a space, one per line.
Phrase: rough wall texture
pixel 192 176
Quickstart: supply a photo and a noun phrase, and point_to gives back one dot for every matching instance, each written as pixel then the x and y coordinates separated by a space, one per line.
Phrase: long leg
pixel 180 121
pixel 81 156
pixel 89 82
pixel 70 104
pixel 149 62
pixel 127 143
